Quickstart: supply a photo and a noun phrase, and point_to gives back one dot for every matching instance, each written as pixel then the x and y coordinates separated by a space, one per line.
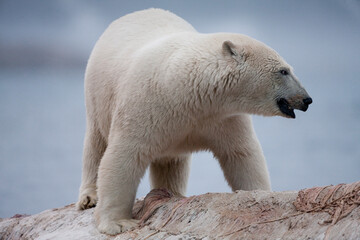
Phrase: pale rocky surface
pixel 331 212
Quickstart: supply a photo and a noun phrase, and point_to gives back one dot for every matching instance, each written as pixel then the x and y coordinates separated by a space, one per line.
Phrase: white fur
pixel 157 90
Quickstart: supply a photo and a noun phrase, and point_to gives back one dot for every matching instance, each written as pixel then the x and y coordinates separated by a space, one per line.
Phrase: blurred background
pixel 44 46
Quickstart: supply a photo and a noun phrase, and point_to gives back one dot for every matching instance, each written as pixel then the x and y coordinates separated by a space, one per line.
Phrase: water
pixel 42 125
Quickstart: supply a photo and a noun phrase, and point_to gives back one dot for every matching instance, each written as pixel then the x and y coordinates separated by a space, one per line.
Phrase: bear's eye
pixel 284 72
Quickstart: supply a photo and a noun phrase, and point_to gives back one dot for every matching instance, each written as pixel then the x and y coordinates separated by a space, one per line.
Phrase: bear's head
pixel 261 81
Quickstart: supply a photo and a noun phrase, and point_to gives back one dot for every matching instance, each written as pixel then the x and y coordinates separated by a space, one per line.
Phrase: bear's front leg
pixel 119 176
pixel 238 150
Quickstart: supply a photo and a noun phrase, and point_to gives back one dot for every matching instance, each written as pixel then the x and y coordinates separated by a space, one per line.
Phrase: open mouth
pixel 285 108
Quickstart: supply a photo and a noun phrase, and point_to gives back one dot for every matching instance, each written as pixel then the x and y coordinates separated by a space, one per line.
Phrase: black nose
pixel 307 101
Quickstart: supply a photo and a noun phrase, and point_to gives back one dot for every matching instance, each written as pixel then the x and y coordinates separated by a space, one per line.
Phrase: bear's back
pixel 152 22
pixel 138 29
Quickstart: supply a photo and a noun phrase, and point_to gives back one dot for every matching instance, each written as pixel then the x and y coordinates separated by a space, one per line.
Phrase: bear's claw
pixel 87 201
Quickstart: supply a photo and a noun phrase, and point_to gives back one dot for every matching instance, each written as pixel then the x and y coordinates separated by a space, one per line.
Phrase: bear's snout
pixel 287 106
pixel 307 102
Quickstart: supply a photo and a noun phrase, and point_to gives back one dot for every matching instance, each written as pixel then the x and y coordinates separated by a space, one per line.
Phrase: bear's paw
pixel 87 199
pixel 116 227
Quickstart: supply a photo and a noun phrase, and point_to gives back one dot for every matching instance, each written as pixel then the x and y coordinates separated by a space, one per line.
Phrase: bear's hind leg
pixel 171 173
pixel 94 147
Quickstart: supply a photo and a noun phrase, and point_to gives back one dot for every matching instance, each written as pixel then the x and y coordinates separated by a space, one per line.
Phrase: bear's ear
pixel 229 49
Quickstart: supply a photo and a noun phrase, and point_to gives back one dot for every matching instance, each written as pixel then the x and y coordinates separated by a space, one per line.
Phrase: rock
pixel 331 212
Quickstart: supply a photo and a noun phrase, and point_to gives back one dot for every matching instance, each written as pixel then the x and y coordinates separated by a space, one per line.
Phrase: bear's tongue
pixel 285 108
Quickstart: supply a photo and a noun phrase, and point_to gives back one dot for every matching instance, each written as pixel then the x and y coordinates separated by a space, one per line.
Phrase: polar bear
pixel 157 90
